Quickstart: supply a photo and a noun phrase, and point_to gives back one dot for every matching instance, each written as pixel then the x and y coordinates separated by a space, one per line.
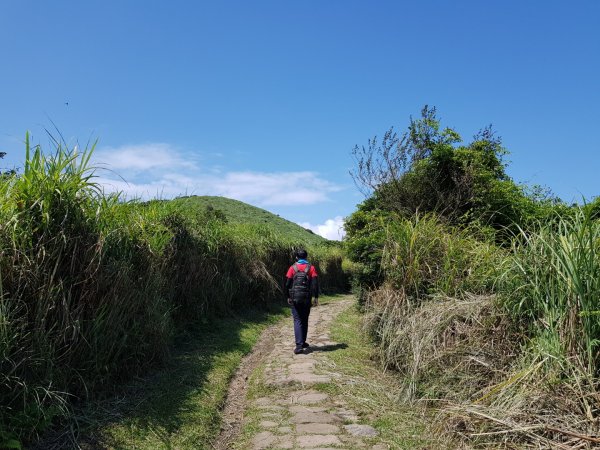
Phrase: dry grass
pixel 438 343
pixel 466 360
pixel 515 366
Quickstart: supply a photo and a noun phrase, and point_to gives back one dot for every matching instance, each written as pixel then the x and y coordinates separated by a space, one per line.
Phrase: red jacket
pixel 311 273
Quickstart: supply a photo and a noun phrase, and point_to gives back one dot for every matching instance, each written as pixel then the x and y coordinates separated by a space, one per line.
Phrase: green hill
pixel 239 212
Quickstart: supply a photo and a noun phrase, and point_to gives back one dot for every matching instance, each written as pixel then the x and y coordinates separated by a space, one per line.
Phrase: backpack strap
pixel 306 270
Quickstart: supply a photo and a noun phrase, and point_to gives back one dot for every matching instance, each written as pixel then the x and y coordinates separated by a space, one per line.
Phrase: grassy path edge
pixel 232 413
pixel 179 405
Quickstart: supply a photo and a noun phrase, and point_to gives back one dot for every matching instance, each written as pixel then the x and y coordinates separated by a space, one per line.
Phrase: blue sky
pixel 264 100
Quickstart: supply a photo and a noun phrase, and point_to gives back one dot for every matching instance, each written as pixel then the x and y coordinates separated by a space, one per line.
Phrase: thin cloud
pixel 276 188
pixel 161 189
pixel 142 157
pixel 153 170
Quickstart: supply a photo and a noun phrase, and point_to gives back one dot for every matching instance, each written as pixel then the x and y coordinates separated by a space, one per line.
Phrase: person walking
pixel 302 291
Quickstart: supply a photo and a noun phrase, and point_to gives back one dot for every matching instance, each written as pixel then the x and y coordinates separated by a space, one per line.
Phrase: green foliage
pixel 237 212
pixel 422 257
pixel 365 236
pixel 4 173
pixel 419 255
pixel 332 265
pixel 593 208
pixel 212 213
pixel 426 170
pixel 553 285
pixel 92 289
pixel 460 267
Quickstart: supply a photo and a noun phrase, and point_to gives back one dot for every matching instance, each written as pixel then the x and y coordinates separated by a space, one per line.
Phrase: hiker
pixel 301 286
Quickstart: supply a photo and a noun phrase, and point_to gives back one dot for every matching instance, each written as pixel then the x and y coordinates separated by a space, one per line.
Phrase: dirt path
pixel 291 406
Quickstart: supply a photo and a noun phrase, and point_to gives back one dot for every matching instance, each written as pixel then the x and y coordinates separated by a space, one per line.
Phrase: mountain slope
pixel 239 212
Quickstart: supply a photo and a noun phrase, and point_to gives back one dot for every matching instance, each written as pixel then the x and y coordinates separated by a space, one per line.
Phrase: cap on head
pixel 301 254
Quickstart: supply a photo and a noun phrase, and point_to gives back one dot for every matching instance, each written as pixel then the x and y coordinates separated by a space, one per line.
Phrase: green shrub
pixel 553 287
pixel 421 256
pixel 331 264
pixel 92 289
pixel 424 262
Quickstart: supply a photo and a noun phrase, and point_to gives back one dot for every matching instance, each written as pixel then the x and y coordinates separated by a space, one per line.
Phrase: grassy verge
pixel 252 415
pixel 179 405
pixel 371 392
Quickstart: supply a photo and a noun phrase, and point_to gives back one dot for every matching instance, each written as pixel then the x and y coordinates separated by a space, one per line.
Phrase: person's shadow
pixel 326 348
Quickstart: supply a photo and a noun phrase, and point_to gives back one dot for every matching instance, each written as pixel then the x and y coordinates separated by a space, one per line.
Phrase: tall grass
pixel 421 256
pixel 554 287
pixel 92 288
pixel 424 262
pixel 508 338
pixel 81 297
pixel 547 395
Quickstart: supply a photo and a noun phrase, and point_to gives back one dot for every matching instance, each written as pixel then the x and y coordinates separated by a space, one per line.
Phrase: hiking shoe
pixel 298 350
pixel 305 345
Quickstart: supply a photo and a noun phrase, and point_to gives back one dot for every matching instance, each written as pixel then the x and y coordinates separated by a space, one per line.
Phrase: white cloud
pixel 276 188
pixel 159 170
pixel 162 188
pixel 142 157
pixel 332 228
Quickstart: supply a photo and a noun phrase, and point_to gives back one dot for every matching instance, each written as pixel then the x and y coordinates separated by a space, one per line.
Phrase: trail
pixel 292 406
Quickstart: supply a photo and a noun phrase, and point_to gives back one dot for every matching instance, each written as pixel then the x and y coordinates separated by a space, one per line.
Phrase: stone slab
pixel 314 417
pixel 361 430
pixel 263 440
pixel 310 378
pixel 311 398
pixel 317 428
pixel 318 440
pixel 284 442
pixel 268 424
pixel 303 408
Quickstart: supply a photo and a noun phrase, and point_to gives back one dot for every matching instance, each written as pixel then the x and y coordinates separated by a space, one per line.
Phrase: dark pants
pixel 300 313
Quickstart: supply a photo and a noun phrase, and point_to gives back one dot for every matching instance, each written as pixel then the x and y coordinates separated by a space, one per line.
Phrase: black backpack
pixel 301 284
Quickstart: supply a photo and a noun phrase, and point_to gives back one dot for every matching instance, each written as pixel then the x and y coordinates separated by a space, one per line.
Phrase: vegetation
pixel 236 212
pixel 427 170
pixel 154 412
pixel 93 289
pixel 372 392
pixel 481 292
pixel 328 256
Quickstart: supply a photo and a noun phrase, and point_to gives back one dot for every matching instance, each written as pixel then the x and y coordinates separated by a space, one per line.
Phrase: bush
pixel 479 291
pixel 92 289
pixel 553 285
pixel 424 261
pixel 422 257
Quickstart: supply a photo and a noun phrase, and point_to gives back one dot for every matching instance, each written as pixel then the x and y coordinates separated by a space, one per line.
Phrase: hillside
pixel 128 285
pixel 240 212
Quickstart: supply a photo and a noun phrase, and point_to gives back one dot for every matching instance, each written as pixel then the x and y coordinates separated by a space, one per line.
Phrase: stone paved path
pixel 297 413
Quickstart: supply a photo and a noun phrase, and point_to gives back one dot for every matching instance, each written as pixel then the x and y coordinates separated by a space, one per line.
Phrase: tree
pixel 427 170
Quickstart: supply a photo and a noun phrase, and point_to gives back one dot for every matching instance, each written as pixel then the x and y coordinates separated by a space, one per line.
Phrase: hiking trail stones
pixel 296 414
